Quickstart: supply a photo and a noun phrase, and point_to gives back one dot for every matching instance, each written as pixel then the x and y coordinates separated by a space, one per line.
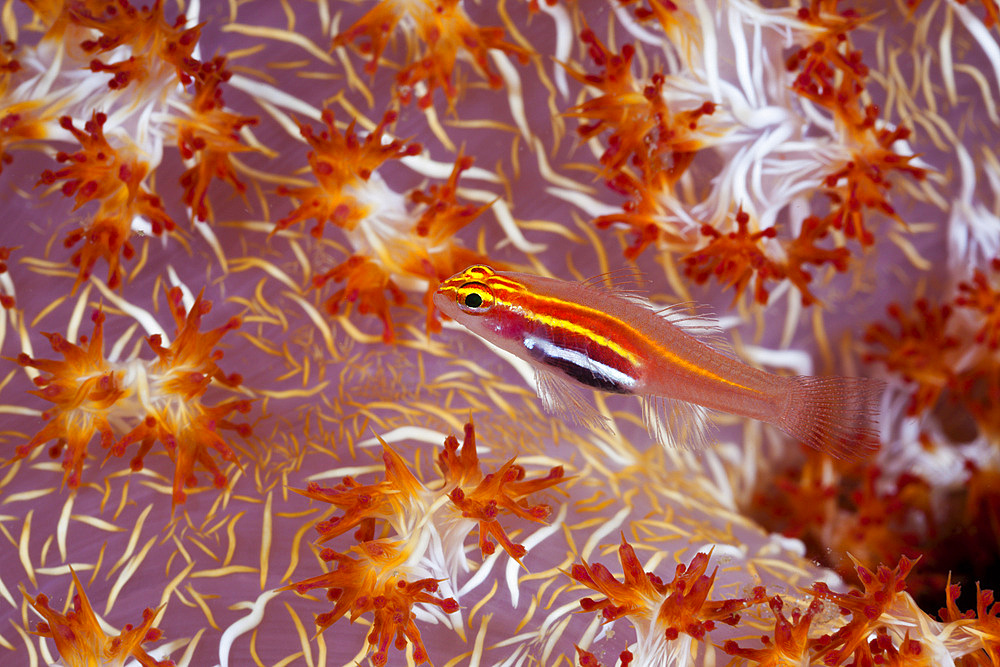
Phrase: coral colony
pixel 235 429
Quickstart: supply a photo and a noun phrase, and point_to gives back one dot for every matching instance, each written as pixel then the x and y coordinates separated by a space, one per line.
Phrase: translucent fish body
pixel 591 335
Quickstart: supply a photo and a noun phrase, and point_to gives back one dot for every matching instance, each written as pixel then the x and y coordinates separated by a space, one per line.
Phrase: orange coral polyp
pixel 88 394
pixel 157 47
pixel 832 75
pixel 83 387
pixel 983 622
pixel 210 136
pixel 379 580
pixel 483 497
pixel 443 216
pixel 188 365
pixel 374 583
pixel 918 352
pixel 734 259
pixel 114 177
pixel 80 640
pixel 368 283
pixel 791 642
pixel 645 136
pixel 881 589
pixel 94 172
pixel 443 31
pixel 681 606
pixel 341 162
pixel 189 432
pixel 803 250
pixel 979 294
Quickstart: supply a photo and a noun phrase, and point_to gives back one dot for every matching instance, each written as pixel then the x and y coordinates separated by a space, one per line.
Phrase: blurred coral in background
pixel 232 417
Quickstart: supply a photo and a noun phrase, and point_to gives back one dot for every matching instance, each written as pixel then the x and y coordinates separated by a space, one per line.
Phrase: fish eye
pixel 475 298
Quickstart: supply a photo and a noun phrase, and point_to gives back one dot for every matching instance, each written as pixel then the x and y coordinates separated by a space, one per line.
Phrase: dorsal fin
pixel 626 283
pixel 625 279
pixel 694 318
pixel 699 321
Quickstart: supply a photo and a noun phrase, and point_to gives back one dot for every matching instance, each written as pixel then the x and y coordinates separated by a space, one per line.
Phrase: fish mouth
pixel 440 298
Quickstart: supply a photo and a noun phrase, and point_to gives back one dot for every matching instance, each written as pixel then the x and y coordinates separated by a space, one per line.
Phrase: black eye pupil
pixel 473 300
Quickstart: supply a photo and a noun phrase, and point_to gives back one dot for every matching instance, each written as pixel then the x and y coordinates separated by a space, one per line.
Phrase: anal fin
pixel 675 423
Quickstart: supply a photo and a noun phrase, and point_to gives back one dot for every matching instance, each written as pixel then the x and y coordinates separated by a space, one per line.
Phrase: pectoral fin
pixel 565 400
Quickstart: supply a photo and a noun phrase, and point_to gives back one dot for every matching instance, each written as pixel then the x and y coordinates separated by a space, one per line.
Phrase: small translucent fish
pixel 595 335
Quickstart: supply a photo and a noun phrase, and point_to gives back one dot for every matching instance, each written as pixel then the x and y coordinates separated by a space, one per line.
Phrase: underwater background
pixel 237 432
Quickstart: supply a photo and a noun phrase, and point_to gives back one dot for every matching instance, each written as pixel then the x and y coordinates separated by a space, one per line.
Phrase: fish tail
pixel 836 415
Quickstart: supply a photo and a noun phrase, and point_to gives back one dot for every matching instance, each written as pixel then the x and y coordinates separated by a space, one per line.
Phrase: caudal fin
pixel 836 415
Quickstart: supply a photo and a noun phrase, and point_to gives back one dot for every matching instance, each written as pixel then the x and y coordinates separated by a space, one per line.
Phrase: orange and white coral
pixel 660 612
pixel 771 175
pixel 424 547
pixel 142 401
pixel 82 642
pixel 444 34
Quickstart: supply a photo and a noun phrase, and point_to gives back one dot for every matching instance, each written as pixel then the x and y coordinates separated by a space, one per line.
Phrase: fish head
pixel 467 296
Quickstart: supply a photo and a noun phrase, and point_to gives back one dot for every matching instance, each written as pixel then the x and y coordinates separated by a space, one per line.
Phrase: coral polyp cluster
pixel 147 401
pixel 224 227
pixel 392 239
pixel 443 32
pixel 877 629
pixel 120 122
pixel 424 549
pixel 661 611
